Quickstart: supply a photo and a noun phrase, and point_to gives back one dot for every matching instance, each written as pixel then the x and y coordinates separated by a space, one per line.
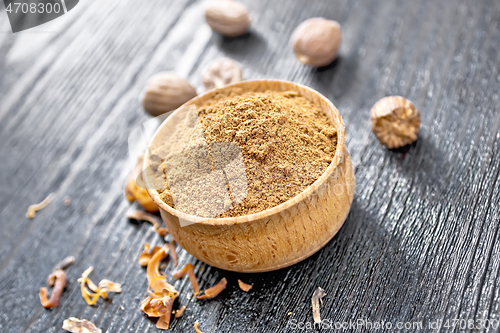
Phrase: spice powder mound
pixel 282 141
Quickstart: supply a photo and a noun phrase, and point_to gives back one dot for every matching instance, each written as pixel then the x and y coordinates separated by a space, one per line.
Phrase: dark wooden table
pixel 421 243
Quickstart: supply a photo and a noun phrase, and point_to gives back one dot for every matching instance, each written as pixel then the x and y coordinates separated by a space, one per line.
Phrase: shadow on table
pixel 337 78
pixel 242 47
pixel 425 163
pixel 348 268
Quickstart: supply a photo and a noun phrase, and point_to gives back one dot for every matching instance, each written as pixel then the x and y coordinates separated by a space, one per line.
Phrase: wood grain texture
pixel 421 242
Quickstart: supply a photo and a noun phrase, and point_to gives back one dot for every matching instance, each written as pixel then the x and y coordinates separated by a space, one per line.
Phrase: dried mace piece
pixel 161 300
pixel 154 220
pixel 148 254
pixel 395 121
pixel 179 312
pixel 221 72
pixel 244 286
pixel 39 206
pixel 102 290
pixel 316 299
pixel 227 17
pixel 57 280
pixel 166 92
pixel 316 41
pixel 196 327
pixel 189 269
pixel 63 264
pixel 137 192
pixel 75 325
pixel 215 290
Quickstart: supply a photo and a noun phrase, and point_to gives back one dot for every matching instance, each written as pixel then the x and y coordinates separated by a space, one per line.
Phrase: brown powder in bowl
pixel 263 147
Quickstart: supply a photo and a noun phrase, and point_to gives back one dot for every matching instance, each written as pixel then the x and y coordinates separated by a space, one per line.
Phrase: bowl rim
pixel 193 219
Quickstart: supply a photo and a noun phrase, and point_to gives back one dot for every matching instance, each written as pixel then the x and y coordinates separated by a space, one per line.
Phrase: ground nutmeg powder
pixel 265 147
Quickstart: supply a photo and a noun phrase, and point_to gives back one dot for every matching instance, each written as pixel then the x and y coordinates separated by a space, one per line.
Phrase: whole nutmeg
pixel 166 92
pixel 221 72
pixel 227 17
pixel 395 121
pixel 316 41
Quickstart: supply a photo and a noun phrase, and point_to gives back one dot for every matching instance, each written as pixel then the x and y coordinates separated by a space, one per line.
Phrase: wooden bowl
pixel 277 237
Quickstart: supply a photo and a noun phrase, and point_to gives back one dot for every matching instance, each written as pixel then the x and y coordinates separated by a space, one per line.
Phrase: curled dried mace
pixel 143 216
pixel 178 313
pixel 215 290
pixel 154 220
pixel 39 206
pixel 148 254
pixel 163 232
pixel 102 290
pixel 56 279
pixel 135 191
pixel 65 263
pixel 189 269
pixel 161 300
pixel 156 280
pixel 196 324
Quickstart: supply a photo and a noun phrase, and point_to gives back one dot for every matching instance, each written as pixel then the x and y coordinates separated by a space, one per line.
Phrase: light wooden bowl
pixel 277 237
